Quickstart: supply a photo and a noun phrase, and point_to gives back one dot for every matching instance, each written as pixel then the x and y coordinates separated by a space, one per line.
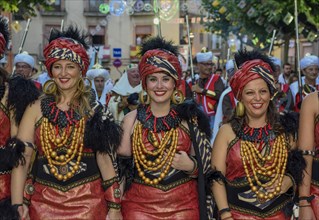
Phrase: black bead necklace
pixel 56 116
pixel 263 134
pixel 149 121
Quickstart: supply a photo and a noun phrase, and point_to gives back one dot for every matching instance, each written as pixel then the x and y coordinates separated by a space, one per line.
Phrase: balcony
pixel 91 8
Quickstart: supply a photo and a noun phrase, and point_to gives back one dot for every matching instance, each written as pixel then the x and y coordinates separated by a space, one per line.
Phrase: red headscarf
pixel 3 44
pixel 250 70
pixel 66 49
pixel 157 60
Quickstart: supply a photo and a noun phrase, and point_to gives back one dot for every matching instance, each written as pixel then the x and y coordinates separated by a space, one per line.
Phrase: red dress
pixel 236 177
pixel 4 135
pixel 80 197
pixel 314 189
pixel 177 199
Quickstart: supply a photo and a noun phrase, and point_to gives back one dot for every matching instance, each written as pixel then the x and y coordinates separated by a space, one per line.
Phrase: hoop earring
pixel 142 100
pixel 240 109
pixel 81 85
pixel 50 87
pixel 177 97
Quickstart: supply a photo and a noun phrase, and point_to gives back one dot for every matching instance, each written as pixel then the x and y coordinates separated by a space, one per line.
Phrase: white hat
pixel 309 61
pixel 24 57
pixel 204 57
pixel 93 73
pixel 276 61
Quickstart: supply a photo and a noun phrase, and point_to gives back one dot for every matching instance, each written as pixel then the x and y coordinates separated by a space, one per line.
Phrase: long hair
pixel 81 98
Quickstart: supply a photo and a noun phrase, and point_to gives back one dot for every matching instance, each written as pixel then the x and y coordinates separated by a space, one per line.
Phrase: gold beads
pixel 163 151
pixel 271 166
pixel 71 138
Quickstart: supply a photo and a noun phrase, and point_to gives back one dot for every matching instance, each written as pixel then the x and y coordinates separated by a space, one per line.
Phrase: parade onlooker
pixel 253 177
pixel 101 82
pixel 283 98
pixel 310 68
pixel 283 78
pixel 73 174
pixel 157 136
pixel 209 86
pixel 127 85
pixel 308 143
pixel 24 64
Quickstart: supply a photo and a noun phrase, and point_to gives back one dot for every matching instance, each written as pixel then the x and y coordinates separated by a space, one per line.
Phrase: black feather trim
pixel 126 169
pixel 72 32
pixel 190 109
pixel 12 154
pixel 153 43
pixel 295 165
pixel 290 122
pixel 213 176
pixel 102 133
pixel 22 92
pixel 7 211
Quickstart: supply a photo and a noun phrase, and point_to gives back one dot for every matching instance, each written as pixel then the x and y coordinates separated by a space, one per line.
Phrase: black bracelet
pixel 222 211
pixel 204 91
pixel 15 207
pixel 307 198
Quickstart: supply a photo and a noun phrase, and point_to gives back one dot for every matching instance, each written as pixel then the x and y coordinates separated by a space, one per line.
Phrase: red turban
pixel 157 60
pixel 66 49
pixel 3 44
pixel 250 70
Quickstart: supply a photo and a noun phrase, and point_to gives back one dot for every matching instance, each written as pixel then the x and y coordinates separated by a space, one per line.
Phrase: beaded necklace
pixel 271 164
pixel 149 121
pixel 64 130
pixel 161 156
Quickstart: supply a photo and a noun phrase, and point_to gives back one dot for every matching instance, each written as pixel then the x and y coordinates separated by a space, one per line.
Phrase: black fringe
pixel 295 165
pixel 102 134
pixel 290 122
pixel 215 175
pixel 22 92
pixel 190 109
pixel 12 155
pixel 7 212
pixel 126 169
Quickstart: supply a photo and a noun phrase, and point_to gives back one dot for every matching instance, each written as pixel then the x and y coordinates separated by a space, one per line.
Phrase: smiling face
pixel 205 69
pixel 66 74
pixel 160 87
pixel 256 98
pixel 311 73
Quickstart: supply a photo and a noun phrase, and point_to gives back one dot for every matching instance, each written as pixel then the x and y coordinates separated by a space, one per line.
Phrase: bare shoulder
pixel 225 134
pixel 129 118
pixel 34 110
pixel 310 103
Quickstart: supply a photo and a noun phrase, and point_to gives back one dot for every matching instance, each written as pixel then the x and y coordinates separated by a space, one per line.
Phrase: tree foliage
pixel 258 18
pixel 28 7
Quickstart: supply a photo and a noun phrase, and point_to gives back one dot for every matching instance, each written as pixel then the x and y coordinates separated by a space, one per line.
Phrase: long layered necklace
pixel 159 158
pixel 61 129
pixel 271 164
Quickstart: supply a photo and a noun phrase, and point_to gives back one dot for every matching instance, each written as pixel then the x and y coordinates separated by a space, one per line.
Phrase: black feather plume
pixel 290 122
pixel 22 92
pixel 243 55
pixel 12 154
pixel 158 43
pixel 190 109
pixel 4 29
pixel 101 133
pixel 72 32
pixel 295 165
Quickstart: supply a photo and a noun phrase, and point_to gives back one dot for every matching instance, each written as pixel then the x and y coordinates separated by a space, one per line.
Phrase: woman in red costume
pixel 308 143
pixel 157 135
pixel 15 94
pixel 73 175
pixel 253 175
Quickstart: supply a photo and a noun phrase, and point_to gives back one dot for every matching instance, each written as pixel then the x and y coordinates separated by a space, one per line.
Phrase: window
pixel 94 5
pixel 97 35
pixel 142 32
pixel 56 5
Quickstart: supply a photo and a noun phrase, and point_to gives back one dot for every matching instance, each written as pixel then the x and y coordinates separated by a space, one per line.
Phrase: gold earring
pixel 49 87
pixel 177 97
pixel 142 98
pixel 240 109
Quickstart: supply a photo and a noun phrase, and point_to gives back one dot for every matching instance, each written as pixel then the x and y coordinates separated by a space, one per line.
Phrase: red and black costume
pixel 257 153
pixel 158 191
